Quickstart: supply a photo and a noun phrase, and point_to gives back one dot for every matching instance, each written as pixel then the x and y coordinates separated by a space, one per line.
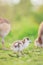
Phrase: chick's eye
pixel 27 38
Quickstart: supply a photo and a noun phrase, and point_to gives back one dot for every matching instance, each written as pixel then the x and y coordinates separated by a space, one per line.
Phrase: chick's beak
pixel 30 41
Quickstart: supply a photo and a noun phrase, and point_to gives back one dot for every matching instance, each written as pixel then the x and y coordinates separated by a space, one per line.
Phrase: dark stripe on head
pixel 27 38
pixel 23 41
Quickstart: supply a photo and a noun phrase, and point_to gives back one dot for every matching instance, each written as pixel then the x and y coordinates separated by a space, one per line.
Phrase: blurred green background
pixel 24 18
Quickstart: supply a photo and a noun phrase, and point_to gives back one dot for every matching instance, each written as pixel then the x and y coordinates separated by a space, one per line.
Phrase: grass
pixel 33 56
pixel 26 27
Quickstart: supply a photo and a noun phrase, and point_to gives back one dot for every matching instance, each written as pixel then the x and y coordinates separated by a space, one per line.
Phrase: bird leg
pixel 3 45
pixel 22 53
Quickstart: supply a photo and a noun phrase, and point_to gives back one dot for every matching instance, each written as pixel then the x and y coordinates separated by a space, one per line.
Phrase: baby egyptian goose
pixel 20 45
pixel 4 30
